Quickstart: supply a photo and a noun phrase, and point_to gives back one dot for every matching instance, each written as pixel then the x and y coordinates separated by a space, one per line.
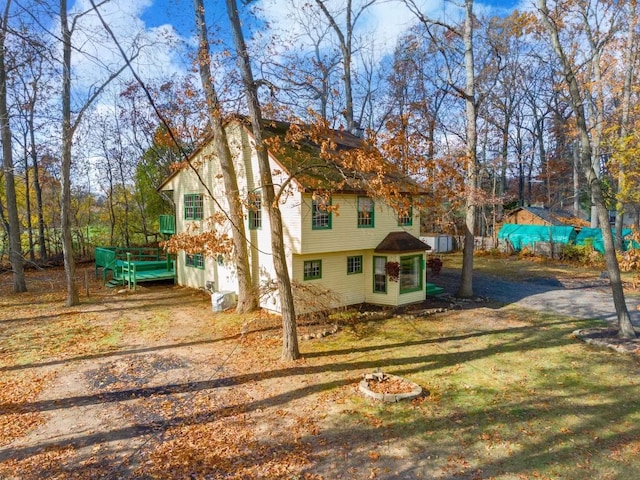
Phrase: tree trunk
pixel 67 136
pixel 576 179
pixel 290 349
pixel 125 197
pixel 596 113
pixel 626 105
pixel 27 195
pixel 504 149
pixel 15 245
pixel 36 187
pixel 345 42
pixel 626 329
pixel 586 155
pixel 247 297
pixel 466 280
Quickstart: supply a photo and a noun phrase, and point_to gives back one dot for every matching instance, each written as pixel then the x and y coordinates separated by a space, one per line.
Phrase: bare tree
pixel 34 88
pixel 345 42
pixel 69 127
pixel 247 296
pixel 577 101
pixel 290 350
pixel 15 247
pixel 468 94
pixel 305 76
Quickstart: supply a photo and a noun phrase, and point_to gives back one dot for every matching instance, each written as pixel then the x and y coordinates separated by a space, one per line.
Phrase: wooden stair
pixel 114 282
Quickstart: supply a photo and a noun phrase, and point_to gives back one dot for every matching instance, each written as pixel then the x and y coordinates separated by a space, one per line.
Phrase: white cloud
pixel 95 54
pixel 385 21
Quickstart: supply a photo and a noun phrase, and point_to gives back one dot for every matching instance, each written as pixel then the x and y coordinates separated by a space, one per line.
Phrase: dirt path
pixel 108 400
pixel 153 384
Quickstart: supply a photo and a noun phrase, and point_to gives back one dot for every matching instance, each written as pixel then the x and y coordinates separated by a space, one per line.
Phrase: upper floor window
pixel 405 217
pixel 320 213
pixel 196 260
pixel 365 212
pixel 193 206
pixel 255 211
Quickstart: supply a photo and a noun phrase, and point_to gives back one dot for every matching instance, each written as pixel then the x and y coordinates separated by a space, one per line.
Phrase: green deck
pixel 131 267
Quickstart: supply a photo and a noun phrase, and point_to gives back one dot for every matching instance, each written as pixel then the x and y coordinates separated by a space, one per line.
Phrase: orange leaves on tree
pixel 209 241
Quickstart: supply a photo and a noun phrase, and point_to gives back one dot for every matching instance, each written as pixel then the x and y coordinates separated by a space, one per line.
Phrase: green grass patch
pixel 113 336
pixel 511 395
pixel 518 268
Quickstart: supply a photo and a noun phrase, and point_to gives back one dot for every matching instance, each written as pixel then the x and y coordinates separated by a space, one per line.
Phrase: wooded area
pixel 486 110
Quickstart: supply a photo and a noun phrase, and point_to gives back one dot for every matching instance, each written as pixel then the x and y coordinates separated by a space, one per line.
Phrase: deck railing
pixel 112 258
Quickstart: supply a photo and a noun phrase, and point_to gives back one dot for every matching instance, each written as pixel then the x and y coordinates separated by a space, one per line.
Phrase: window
pixel 196 260
pixel 405 218
pixel 255 211
pixel 312 269
pixel 410 273
pixel 321 216
pixel 193 206
pixel 365 212
pixel 379 275
pixel 354 264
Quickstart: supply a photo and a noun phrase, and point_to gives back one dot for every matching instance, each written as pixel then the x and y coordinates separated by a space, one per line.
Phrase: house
pixel 338 236
pixel 542 216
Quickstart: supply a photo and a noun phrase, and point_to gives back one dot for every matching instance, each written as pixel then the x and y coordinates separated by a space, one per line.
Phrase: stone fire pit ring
pixel 416 390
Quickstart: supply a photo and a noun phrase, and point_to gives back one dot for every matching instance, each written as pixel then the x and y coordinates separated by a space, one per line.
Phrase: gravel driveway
pixel 576 298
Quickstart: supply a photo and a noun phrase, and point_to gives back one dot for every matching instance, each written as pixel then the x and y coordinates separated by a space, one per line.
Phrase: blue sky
pixel 168 26
pixel 179 13
pixel 176 12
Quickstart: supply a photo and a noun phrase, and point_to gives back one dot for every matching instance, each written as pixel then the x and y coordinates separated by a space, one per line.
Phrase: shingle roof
pixel 321 167
pixel 397 242
pixel 315 169
pixel 556 218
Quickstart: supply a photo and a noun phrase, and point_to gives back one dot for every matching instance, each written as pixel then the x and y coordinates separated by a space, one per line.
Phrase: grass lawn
pixel 155 385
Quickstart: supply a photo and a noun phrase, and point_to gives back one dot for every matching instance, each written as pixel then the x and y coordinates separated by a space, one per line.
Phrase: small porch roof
pixel 399 242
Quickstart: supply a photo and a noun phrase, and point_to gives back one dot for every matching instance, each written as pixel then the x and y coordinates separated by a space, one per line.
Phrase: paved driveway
pixel 582 299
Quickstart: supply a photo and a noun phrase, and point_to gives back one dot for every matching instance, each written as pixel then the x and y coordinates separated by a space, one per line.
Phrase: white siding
pixel 348 288
pixel 332 246
pixel 344 233
pixel 393 295
pixel 190 276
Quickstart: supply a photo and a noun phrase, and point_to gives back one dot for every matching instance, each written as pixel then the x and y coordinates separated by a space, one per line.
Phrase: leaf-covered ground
pixel 152 384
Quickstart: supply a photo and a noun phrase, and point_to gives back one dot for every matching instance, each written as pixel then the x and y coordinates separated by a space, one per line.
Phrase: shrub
pixel 527 252
pixel 630 260
pixel 582 254
pixel 434 264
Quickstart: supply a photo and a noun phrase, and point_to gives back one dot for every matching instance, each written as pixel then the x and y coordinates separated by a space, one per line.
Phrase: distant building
pixel 543 216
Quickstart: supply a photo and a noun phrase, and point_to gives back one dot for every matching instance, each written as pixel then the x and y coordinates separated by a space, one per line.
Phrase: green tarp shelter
pixel 594 237
pixel 519 236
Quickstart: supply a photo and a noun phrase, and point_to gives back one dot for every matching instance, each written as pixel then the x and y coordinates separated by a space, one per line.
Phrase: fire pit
pixel 388 388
